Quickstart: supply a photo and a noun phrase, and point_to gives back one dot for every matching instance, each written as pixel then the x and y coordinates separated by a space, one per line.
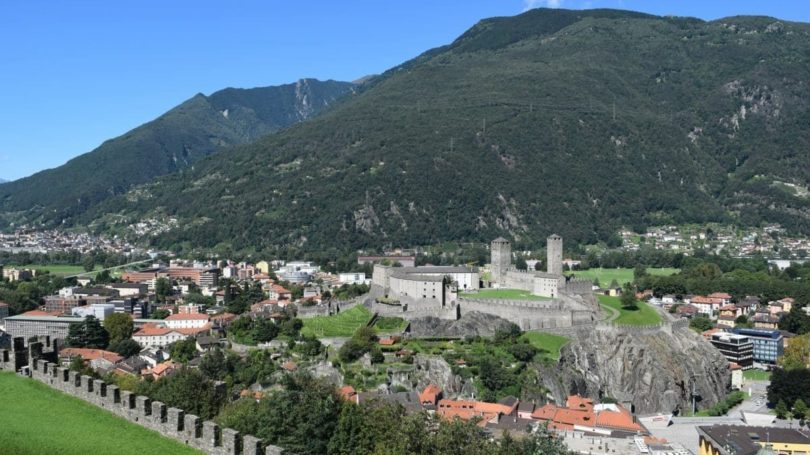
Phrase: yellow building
pixel 745 440
pixel 264 266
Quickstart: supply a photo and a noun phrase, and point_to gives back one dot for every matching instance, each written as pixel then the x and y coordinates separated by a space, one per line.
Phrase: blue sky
pixel 73 74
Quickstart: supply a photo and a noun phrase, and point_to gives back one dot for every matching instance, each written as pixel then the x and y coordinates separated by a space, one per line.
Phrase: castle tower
pixel 501 251
pixel 554 250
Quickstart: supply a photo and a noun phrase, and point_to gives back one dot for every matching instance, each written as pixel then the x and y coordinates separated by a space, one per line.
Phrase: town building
pixel 187 321
pixel 39 324
pixel 581 414
pixel 736 348
pixel 352 278
pixel 749 440
pixel 98 310
pixel 768 344
pixel 765 321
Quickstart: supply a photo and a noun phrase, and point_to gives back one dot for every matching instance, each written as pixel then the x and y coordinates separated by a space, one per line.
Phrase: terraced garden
pixel 342 324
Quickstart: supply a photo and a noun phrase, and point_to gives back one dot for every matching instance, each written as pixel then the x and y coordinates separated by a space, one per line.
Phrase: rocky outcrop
pixel 470 324
pixel 655 370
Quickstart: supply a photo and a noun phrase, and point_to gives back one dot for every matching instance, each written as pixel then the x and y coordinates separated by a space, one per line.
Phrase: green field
pixel 56 269
pixel 551 344
pixel 606 276
pixel 36 419
pixel 509 294
pixel 341 325
pixel 757 375
pixel 390 325
pixel 644 315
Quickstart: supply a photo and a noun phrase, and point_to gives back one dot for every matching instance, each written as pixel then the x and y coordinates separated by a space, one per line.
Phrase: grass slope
pixel 644 315
pixel 511 294
pixel 606 276
pixel 549 343
pixel 341 325
pixel 36 419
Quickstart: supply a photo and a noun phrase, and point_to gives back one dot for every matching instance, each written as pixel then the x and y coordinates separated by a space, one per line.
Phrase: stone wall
pixel 173 423
pixel 529 315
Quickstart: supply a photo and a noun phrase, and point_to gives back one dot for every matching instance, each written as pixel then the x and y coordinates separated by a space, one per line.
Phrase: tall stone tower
pixel 501 251
pixel 554 250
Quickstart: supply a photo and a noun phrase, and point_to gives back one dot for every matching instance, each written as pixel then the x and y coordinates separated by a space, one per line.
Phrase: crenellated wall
pixel 173 423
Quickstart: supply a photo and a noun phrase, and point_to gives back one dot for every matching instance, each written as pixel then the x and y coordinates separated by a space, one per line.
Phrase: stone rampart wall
pixel 173 423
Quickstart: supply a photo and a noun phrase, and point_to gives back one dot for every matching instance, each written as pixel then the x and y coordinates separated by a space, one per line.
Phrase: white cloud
pixel 531 4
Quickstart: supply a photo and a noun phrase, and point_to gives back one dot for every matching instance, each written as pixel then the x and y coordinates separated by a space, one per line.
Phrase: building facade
pixel 768 344
pixel 39 326
pixel 735 348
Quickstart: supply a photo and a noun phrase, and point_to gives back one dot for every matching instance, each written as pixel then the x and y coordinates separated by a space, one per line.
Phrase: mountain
pixel 574 122
pixel 172 142
pixel 3 181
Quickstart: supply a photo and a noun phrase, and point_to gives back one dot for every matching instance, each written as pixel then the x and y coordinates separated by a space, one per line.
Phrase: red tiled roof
pixel 91 354
pixel 430 394
pixel 41 313
pixel 720 295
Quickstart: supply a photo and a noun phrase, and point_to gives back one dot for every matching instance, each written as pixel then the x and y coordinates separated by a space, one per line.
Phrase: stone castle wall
pixel 173 423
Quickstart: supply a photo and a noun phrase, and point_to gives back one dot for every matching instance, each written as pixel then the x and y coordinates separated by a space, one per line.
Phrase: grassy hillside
pixel 606 276
pixel 644 315
pixel 39 420
pixel 343 324
pixel 574 122
pixel 170 143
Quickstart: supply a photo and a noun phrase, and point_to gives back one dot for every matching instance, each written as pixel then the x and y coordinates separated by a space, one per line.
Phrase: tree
pixel 538 266
pixel 188 390
pixel 797 354
pixel 781 409
pixel 183 350
pixel 163 288
pixel 161 314
pixel 119 326
pixel 796 321
pixel 88 263
pixel 125 348
pixel 520 263
pixel 701 323
pixel 743 322
pixel 522 351
pixel 639 272
pixel 87 334
pixel 628 297
pixel 800 409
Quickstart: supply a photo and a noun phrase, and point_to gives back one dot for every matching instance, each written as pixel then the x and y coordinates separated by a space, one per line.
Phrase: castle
pixel 449 292
pixel 546 284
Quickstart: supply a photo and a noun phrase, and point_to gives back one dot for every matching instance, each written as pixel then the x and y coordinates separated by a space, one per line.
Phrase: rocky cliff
pixel 653 370
pixel 470 324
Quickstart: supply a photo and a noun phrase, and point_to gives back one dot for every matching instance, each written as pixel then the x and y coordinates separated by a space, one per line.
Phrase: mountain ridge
pixel 171 142
pixel 574 122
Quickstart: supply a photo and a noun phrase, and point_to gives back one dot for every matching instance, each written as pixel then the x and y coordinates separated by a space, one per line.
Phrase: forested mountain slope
pixel 575 122
pixel 173 141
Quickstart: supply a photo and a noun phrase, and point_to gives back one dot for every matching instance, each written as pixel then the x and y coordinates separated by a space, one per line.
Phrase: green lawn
pixel 510 294
pixel 644 315
pixel 57 269
pixel 36 419
pixel 757 375
pixel 606 276
pixel 390 324
pixel 551 344
pixel 341 325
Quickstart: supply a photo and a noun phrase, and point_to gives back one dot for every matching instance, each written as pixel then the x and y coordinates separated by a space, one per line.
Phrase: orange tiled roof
pixel 578 402
pixel 41 313
pixel 430 394
pixel 621 420
pixel 720 295
pixel 91 354
pixel 347 392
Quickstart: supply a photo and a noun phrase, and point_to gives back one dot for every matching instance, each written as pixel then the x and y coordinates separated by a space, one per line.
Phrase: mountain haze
pixel 172 142
pixel 575 122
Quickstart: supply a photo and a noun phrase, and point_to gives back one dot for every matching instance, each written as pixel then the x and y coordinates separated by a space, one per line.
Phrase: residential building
pixel 736 348
pixel 707 305
pixel 98 359
pixel 352 278
pixel 723 297
pixel 63 304
pixel 130 289
pixel 765 321
pixel 581 414
pixel 768 344
pixel 749 440
pixel 98 310
pixel 736 376
pixel 187 321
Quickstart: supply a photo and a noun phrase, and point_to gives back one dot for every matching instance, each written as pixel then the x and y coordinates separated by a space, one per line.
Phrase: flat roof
pixel 744 439
pixel 21 317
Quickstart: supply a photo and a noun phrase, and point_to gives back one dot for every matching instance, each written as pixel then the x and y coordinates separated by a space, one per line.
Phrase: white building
pixel 187 321
pixel 98 310
pixel 352 278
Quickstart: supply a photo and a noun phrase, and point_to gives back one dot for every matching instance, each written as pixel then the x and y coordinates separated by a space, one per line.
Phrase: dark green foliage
pixel 126 348
pixel 160 314
pixel 119 326
pixel 628 297
pixel 186 389
pixel 722 408
pixel 796 321
pixel 87 334
pixel 163 289
pixel 701 323
pixel 789 386
pixel 170 143
pixel 364 340
pixel 184 350
pixel 522 351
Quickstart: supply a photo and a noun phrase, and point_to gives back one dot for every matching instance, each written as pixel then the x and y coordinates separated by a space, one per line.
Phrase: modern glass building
pixel 768 344
pixel 736 348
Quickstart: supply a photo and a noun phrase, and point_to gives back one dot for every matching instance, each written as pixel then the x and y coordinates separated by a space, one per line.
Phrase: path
pixel 108 268
pixel 614 313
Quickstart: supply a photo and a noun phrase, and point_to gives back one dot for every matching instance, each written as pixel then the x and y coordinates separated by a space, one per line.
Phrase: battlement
pixel 173 423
